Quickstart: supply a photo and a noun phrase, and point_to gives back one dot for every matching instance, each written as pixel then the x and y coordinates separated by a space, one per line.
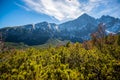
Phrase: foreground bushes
pixel 67 63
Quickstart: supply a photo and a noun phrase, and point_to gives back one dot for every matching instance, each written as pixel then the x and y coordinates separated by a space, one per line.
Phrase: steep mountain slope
pixel 112 24
pixel 76 30
pixel 30 34
pixel 79 28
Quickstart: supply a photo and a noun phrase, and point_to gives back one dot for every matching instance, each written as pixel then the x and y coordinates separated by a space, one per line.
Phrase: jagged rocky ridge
pixel 76 30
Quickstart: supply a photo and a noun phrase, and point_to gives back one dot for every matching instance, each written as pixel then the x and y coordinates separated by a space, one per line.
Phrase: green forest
pixel 96 59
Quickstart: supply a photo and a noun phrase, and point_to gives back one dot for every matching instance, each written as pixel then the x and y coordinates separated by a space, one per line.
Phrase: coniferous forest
pixel 96 59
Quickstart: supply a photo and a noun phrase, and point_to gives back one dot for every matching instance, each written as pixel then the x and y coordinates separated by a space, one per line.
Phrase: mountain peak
pixel 85 19
pixel 84 16
pixel 106 19
pixel 106 16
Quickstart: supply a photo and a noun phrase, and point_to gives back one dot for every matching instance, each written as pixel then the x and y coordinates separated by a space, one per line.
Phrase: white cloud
pixel 26 8
pixel 59 9
pixel 67 9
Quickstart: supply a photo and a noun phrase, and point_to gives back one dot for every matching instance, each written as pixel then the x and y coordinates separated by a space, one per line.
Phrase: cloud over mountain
pixel 71 9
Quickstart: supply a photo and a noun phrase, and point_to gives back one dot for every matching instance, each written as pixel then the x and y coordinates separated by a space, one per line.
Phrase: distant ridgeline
pixel 76 30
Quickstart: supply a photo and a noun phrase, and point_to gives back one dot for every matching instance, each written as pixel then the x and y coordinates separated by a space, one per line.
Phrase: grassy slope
pixel 49 43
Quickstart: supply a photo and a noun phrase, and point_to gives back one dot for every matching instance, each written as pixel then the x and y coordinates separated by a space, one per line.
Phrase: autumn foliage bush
pixel 62 63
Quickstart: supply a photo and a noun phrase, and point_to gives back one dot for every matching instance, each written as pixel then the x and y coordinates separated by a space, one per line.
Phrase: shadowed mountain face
pixel 76 30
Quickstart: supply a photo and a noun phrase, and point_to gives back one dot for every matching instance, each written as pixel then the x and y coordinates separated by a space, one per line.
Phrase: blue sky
pixel 21 12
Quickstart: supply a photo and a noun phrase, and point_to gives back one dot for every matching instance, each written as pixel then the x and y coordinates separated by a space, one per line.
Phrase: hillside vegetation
pixel 98 59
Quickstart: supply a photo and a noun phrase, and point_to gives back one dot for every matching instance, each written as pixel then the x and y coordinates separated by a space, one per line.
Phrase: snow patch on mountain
pixel 109 32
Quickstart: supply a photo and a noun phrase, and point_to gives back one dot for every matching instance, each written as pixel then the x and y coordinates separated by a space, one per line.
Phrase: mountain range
pixel 75 30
